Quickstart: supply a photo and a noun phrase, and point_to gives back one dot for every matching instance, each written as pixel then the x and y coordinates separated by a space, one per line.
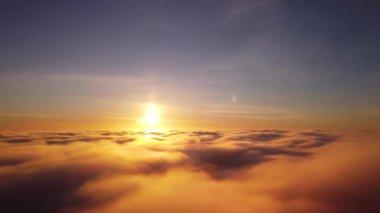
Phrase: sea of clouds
pixel 180 171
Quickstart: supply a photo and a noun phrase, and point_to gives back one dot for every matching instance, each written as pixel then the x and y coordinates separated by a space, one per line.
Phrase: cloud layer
pixel 200 171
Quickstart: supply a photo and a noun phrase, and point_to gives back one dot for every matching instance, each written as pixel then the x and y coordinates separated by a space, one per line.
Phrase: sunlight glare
pixel 151 115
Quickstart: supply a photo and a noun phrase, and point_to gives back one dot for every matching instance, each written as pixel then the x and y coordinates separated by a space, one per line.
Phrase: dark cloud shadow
pixel 224 163
pixel 207 136
pixel 262 137
pixel 17 140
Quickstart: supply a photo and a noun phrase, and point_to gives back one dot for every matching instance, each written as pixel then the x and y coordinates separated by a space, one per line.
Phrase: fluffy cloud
pixel 202 171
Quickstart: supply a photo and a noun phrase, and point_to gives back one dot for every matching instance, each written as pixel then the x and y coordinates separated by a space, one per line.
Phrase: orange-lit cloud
pixel 200 171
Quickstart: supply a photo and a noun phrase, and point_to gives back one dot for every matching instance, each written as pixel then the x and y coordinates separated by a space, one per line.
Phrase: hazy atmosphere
pixel 209 64
pixel 269 106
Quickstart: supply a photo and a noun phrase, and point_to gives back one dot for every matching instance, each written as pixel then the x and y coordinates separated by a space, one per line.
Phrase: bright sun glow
pixel 151 115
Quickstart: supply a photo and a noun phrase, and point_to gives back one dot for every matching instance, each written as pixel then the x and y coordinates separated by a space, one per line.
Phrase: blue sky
pixel 315 58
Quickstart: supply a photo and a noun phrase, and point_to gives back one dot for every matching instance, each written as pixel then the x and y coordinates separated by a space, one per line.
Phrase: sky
pixel 211 64
pixel 191 106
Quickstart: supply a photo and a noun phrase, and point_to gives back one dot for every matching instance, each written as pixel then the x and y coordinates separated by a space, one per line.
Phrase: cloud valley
pixel 200 171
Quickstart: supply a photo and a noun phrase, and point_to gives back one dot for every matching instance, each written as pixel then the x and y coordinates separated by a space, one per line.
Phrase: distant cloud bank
pixel 200 171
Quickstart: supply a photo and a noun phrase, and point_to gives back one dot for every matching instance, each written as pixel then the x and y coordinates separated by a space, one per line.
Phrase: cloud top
pixel 265 170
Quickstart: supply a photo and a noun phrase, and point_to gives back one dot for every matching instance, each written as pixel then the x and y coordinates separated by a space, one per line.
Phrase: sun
pixel 151 115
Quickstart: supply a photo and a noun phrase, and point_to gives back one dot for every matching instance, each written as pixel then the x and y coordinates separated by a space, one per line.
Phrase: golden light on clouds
pixel 240 171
